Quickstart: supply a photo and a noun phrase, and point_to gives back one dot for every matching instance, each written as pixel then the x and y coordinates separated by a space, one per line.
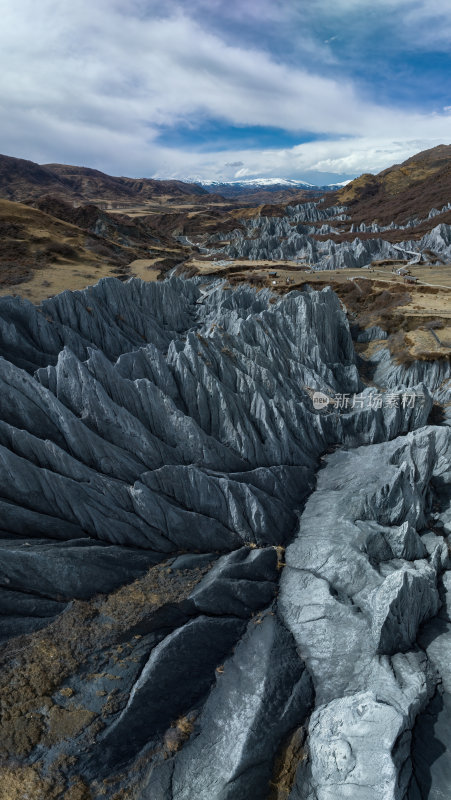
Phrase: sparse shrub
pixel 179 732
pixel 98 248
pixel 60 249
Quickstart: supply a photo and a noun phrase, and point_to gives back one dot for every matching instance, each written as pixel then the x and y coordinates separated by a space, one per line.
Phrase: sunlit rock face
pixel 160 448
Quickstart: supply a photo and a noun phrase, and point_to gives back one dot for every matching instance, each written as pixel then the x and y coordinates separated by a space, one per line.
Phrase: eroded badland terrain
pixel 66 227
pixel 211 588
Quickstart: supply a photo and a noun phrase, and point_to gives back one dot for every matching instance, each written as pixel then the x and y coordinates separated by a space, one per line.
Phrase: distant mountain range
pixel 267 182
pixel 249 186
pixel 410 189
pixel 22 180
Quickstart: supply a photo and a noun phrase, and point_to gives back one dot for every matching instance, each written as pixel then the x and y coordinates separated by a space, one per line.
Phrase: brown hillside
pixel 32 240
pixel 57 246
pixel 93 183
pixel 20 179
pixel 400 192
pixel 24 180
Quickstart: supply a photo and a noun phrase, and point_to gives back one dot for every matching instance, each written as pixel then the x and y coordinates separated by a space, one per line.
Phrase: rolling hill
pixel 22 180
pixel 401 192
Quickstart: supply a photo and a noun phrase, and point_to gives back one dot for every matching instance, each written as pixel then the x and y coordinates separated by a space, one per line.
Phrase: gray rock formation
pixel 355 605
pixel 373 333
pixel 158 451
pixel 291 237
pixel 435 374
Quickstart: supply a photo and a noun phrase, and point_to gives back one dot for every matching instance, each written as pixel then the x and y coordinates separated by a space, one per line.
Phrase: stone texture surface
pixel 355 612
pixel 159 450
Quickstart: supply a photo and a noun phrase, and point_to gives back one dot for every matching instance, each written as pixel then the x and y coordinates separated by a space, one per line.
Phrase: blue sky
pixel 320 90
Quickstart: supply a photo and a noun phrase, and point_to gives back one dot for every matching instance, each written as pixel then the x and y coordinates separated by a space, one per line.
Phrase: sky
pixel 315 90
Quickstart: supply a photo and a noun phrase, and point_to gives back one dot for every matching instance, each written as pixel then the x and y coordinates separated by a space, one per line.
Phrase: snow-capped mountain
pixel 338 185
pixel 263 182
pixel 255 185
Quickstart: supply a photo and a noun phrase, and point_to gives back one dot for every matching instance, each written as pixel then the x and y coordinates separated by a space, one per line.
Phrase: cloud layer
pixel 96 84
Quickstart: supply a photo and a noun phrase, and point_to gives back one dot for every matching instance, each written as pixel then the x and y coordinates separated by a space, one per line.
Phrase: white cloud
pixel 340 157
pixel 90 83
pixel 241 173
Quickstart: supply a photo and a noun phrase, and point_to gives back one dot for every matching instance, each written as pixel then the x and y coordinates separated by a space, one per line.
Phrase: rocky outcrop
pixel 354 593
pixel 373 333
pixel 291 237
pixel 158 451
pixel 435 374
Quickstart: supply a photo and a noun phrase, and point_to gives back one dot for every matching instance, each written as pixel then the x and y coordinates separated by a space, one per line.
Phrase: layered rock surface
pixel 158 451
